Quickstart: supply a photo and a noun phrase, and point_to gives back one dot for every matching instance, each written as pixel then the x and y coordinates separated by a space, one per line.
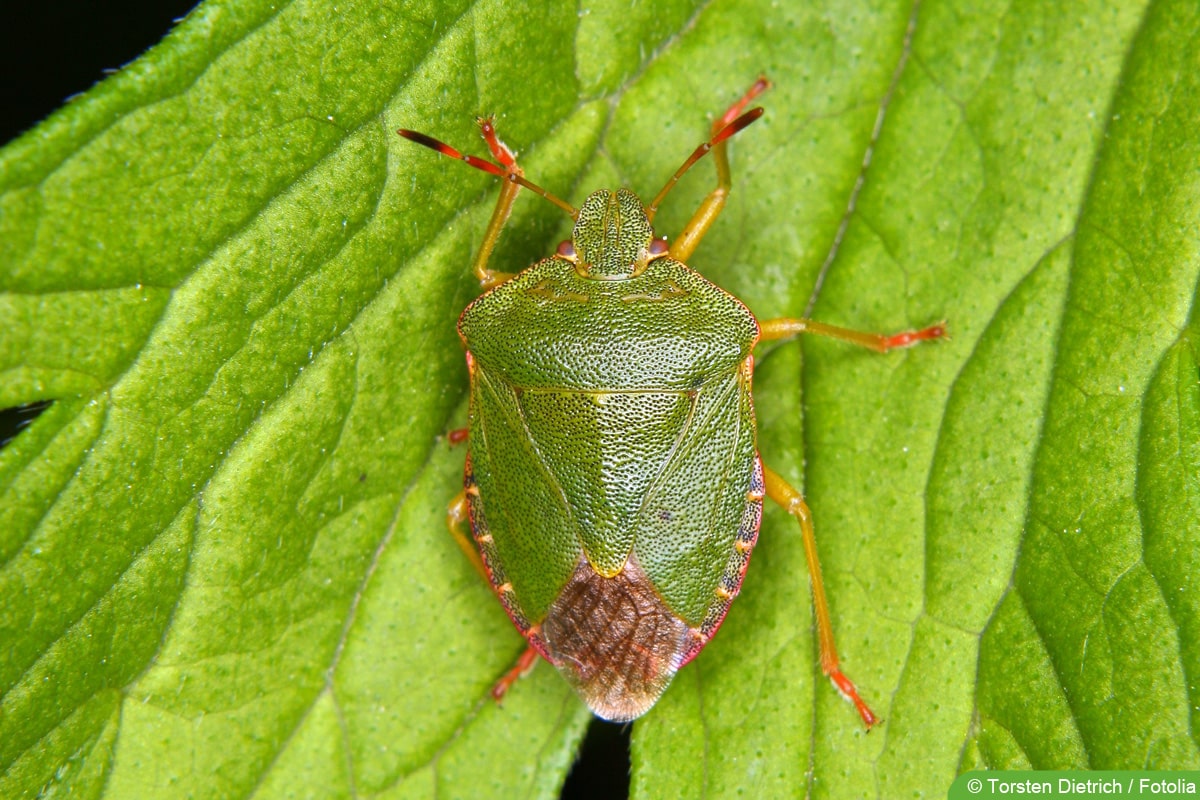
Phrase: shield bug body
pixel 613 486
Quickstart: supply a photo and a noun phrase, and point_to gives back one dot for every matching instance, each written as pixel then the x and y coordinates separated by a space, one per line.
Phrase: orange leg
pixel 782 493
pixel 793 502
pixel 504 205
pixel 513 179
pixel 689 238
pixel 787 328
pixel 456 515
pixel 524 664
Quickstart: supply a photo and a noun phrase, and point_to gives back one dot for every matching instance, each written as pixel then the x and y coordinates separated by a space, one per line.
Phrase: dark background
pixel 50 51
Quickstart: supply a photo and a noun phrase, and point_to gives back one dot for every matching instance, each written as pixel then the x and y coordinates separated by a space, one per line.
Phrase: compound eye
pixel 566 249
pixel 658 248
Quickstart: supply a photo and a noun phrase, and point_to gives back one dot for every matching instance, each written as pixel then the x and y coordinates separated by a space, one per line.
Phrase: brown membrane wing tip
pixel 615 641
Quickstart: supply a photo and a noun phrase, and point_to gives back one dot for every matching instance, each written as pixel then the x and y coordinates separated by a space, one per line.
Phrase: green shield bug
pixel 613 486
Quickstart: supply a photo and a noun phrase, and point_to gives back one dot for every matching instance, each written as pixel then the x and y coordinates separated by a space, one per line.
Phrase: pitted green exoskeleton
pixel 613 484
pixel 613 236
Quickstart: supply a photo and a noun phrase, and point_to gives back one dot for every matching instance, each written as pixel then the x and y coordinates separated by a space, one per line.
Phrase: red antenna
pixel 509 172
pixel 727 126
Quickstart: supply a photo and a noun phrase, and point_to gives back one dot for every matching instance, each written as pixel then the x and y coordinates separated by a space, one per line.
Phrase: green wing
pixel 690 518
pixel 660 474
pixel 524 507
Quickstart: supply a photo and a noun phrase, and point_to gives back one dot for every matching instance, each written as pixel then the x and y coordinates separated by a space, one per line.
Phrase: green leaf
pixel 222 547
